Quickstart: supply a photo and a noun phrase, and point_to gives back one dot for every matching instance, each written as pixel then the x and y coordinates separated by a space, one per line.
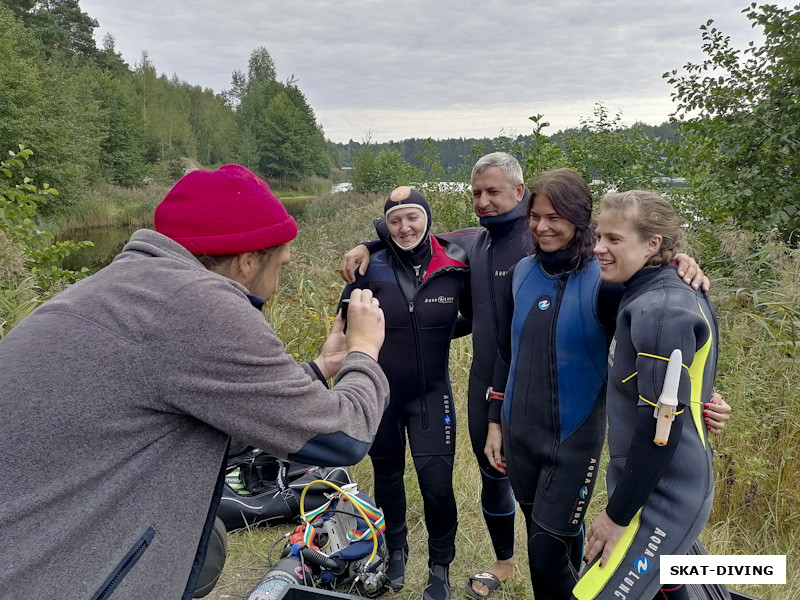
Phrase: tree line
pixel 89 116
pixel 452 151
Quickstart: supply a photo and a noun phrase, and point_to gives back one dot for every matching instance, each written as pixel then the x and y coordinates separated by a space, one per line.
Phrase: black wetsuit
pixel 553 420
pixel 421 313
pixel 663 494
pixel 493 250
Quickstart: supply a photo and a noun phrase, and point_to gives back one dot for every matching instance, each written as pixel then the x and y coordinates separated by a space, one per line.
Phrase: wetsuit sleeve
pixel 463 326
pixel 644 467
pixel 660 322
pixel 502 363
pixel 463 237
pixel 464 321
pixel 374 245
pixel 313 366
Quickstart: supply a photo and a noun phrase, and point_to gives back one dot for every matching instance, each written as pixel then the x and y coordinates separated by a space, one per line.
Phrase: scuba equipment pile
pixel 338 545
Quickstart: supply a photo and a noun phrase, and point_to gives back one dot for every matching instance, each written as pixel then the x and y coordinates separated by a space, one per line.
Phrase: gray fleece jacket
pixel 118 399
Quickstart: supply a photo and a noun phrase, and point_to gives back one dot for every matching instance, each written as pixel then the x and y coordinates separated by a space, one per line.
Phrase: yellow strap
pixel 643 399
pixel 656 356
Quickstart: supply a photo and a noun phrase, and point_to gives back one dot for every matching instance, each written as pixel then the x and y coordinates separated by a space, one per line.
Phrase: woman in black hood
pixel 420 281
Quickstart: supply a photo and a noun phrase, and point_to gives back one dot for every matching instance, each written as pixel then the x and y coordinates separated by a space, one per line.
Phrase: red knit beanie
pixel 227 211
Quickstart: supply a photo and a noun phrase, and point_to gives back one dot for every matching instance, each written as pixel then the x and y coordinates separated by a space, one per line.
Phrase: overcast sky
pixel 442 68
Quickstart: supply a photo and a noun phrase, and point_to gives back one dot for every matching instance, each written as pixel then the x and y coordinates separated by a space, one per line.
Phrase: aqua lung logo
pixel 500 273
pixel 448 420
pixel 544 302
pixel 441 300
pixel 641 565
pixel 579 507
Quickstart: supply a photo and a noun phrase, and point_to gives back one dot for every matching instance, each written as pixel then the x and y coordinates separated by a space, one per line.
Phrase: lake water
pixel 108 242
pixel 442 186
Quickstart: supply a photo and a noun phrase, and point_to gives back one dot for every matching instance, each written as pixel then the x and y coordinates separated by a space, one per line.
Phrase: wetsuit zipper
pixel 492 295
pixel 560 286
pixel 418 342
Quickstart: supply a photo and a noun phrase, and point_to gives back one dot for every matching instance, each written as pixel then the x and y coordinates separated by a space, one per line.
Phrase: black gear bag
pixel 262 490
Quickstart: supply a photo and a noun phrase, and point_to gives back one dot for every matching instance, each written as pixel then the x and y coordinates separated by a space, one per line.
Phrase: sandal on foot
pixel 490 580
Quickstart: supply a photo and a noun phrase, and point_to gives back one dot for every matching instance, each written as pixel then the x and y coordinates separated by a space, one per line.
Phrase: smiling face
pixel 406 226
pixel 622 252
pixel 493 194
pixel 550 230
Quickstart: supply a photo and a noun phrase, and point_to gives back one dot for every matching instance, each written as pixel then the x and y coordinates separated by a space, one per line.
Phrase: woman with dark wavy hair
pixel 552 368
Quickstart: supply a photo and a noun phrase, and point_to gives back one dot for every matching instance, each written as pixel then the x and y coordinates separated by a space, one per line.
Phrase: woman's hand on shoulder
pixel 356 257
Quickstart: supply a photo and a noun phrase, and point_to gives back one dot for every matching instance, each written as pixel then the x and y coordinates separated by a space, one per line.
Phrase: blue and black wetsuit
pixel 663 494
pixel 552 365
pixel 421 308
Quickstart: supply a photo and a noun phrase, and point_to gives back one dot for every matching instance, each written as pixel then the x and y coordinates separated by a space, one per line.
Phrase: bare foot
pixel 503 569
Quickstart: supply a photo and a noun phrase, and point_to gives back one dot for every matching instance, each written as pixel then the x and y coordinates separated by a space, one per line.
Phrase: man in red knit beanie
pixel 122 395
pixel 227 211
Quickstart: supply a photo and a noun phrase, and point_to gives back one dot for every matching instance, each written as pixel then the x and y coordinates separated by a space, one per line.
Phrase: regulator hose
pixel 332 563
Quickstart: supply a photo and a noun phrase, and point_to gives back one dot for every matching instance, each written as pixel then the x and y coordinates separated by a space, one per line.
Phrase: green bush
pixel 30 263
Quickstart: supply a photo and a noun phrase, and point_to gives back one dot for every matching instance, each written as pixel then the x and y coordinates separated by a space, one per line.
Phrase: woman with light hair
pixel 661 364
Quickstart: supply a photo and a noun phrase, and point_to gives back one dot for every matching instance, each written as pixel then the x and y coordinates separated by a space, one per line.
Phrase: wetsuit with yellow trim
pixel 662 494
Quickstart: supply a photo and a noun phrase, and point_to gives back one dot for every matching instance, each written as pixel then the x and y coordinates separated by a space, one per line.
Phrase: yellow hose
pixel 360 510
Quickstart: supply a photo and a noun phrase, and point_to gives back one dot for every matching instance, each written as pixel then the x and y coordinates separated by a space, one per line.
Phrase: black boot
pixel 438 587
pixel 396 568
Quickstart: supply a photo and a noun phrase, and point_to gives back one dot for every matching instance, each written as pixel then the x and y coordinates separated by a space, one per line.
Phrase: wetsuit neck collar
pixel 558 262
pixel 642 276
pixel 256 301
pixel 419 255
pixel 502 224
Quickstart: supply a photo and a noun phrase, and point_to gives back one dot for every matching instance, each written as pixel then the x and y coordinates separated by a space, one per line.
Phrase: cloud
pixel 440 69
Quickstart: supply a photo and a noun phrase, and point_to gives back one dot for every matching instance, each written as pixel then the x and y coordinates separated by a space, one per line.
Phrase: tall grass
pixel 108 206
pixel 756 511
